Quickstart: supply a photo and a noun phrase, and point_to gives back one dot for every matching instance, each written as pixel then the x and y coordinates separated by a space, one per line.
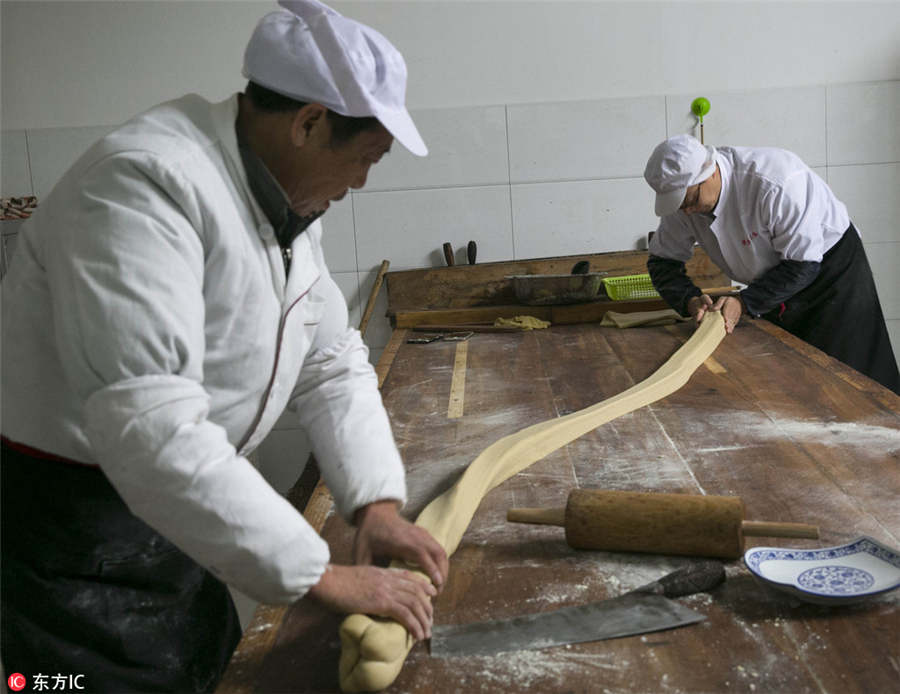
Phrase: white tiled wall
pixel 863 123
pixel 52 151
pixel 583 140
pixel 15 181
pixel 339 238
pixel 872 194
pixel 408 227
pixel 532 180
pixel 15 172
pixel 466 147
pixel 574 217
pixel 885 259
pixel 792 119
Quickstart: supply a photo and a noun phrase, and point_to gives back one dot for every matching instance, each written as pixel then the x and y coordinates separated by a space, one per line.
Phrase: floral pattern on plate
pixel 831 575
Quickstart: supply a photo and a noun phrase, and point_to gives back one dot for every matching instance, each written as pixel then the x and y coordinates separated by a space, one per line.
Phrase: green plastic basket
pixel 629 287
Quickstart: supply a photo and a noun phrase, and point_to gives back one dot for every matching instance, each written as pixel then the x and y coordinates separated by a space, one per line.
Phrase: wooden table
pixel 794 433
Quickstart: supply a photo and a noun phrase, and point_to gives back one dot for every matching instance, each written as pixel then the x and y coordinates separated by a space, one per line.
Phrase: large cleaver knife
pixel 644 609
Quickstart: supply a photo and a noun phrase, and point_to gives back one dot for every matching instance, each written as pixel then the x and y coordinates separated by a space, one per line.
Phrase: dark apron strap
pixel 89 589
pixel 840 313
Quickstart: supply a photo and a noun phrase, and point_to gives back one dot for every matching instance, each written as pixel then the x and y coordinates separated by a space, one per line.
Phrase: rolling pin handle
pixel 541 516
pixel 696 577
pixel 766 529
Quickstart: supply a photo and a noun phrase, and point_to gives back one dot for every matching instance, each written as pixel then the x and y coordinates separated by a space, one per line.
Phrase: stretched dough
pixel 373 650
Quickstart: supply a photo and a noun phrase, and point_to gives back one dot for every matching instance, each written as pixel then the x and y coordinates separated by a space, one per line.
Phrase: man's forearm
pixel 778 285
pixel 670 279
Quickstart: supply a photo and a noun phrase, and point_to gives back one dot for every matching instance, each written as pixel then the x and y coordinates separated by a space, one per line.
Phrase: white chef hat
pixel 311 53
pixel 677 163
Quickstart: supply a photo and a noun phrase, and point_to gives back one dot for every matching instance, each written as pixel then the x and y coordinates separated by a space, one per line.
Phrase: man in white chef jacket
pixel 168 302
pixel 768 221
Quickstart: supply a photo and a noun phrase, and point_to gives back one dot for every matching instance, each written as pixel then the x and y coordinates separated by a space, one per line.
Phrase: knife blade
pixel 643 610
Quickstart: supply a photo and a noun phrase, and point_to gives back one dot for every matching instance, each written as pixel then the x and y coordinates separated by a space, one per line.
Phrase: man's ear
pixel 308 122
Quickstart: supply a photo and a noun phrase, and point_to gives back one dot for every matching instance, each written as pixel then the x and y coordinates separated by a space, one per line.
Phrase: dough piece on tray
pixel 666 316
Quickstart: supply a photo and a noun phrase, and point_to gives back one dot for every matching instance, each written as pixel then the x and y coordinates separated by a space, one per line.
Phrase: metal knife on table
pixel 642 610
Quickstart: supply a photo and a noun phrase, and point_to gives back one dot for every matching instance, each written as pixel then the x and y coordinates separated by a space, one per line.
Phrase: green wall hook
pixel 700 107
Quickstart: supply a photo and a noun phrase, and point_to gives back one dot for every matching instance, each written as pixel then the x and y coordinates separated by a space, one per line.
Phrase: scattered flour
pixel 873 437
pixel 551 667
pixel 837 434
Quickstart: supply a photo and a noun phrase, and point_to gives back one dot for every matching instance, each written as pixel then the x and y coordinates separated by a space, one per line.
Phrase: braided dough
pixel 372 649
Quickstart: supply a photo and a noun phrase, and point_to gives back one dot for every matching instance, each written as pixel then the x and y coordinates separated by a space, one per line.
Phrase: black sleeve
pixel 778 285
pixel 671 281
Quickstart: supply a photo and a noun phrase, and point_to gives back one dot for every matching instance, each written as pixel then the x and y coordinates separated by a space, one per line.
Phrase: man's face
pixel 702 198
pixel 323 172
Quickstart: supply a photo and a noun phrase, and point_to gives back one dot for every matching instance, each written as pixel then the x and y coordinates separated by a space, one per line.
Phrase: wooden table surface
pixel 798 436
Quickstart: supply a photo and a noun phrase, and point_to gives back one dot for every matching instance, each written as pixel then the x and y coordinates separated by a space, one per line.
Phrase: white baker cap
pixel 311 53
pixel 676 164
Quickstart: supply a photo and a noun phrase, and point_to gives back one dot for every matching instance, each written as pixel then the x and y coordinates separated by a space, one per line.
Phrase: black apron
pixel 840 313
pixel 89 589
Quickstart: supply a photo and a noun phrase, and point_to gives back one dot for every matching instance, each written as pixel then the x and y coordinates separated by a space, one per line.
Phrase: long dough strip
pixel 373 650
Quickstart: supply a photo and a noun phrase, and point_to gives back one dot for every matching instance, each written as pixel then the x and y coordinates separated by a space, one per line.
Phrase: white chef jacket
pixel 772 207
pixel 149 328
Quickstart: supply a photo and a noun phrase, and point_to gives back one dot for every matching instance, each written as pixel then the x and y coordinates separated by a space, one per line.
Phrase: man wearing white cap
pixel 168 303
pixel 768 221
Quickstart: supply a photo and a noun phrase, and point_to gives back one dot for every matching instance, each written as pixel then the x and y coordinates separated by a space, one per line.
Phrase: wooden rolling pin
pixel 688 524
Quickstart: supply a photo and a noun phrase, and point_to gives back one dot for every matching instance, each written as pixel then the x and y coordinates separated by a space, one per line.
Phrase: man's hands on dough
pixel 401 595
pixel 697 306
pixel 383 532
pixel 730 306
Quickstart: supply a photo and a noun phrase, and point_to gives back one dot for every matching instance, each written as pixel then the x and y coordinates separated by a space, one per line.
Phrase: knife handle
pixel 696 577
pixel 582 267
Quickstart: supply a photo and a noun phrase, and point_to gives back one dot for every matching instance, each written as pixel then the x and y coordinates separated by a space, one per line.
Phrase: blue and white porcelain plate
pixel 830 575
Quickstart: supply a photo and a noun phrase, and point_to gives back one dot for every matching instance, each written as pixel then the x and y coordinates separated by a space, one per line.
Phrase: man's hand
pixel 401 595
pixel 697 306
pixel 382 532
pixel 731 308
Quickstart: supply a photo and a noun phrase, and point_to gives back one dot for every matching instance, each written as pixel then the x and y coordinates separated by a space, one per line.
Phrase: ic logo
pixel 16 682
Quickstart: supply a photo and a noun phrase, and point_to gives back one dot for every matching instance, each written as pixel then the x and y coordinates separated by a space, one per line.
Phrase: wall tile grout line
pixel 827 158
pixel 28 162
pixel 666 115
pixel 509 183
pixel 447 186
pixel 863 163
pixel 353 222
pixel 538 182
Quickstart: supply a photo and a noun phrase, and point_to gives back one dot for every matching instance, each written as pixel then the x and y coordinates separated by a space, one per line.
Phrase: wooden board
pixel 591 312
pixel 485 284
pixel 798 436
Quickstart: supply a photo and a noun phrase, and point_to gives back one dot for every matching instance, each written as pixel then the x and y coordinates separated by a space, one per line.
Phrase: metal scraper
pixel 642 610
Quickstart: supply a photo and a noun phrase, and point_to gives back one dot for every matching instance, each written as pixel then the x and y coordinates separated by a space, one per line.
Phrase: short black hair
pixel 343 128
